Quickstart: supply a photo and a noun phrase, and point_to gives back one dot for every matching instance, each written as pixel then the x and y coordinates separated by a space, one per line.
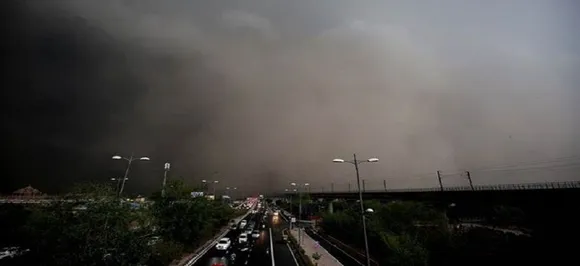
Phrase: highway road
pixel 257 252
pixel 282 254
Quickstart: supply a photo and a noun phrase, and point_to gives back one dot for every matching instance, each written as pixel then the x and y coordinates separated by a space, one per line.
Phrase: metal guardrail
pixel 499 187
pixel 336 246
pixel 297 251
pixel 211 243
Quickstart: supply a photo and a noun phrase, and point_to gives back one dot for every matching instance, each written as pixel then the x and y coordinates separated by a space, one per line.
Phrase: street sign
pixel 293 220
pixel 196 194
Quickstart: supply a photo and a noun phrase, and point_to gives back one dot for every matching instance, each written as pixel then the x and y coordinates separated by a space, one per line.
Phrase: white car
pixel 243 224
pixel 223 244
pixel 275 213
pixel 256 234
pixel 243 238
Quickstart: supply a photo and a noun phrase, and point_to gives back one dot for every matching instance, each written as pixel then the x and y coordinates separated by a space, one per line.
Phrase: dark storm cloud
pixel 270 91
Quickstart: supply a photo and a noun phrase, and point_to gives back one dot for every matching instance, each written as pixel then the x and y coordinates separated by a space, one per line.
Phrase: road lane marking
pixel 272 247
pixel 213 243
pixel 292 253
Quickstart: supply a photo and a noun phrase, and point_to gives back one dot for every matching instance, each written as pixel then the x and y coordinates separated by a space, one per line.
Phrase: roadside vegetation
pixel 104 231
pixel 413 233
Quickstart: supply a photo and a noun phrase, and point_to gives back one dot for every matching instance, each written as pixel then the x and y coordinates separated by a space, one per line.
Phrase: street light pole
pixel 129 162
pixel 125 176
pixel 300 188
pixel 356 163
pixel 362 209
pixel 214 185
pixel 299 215
pixel 167 167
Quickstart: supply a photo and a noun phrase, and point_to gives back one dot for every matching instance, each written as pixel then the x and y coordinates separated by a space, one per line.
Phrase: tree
pixel 394 229
pixel 505 215
pixel 187 220
pixel 62 235
pixel 316 257
pixel 91 190
pixel 403 250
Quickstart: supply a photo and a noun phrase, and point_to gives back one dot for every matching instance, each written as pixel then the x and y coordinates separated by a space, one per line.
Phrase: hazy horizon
pixel 269 92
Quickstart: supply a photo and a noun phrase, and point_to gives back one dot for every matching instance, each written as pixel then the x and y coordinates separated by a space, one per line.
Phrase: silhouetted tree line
pixel 412 233
pixel 107 232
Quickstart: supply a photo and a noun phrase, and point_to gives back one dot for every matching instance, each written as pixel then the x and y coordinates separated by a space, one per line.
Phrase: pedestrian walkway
pixel 310 247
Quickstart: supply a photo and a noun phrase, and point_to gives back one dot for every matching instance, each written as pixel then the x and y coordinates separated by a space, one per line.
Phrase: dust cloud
pixel 269 92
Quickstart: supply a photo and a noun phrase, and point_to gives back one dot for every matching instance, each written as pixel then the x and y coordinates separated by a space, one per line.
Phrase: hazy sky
pixel 266 92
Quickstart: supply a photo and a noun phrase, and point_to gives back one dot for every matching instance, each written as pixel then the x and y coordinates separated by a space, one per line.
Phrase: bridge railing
pixel 523 186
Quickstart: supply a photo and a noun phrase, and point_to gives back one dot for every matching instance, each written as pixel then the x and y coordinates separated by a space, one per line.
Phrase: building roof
pixel 27 190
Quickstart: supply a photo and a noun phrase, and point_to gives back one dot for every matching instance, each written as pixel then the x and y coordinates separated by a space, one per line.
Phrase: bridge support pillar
pixel 330 207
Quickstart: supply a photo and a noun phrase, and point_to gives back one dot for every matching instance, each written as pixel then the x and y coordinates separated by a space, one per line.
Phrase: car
pixel 256 234
pixel 275 213
pixel 243 224
pixel 154 240
pixel 243 238
pixel 223 244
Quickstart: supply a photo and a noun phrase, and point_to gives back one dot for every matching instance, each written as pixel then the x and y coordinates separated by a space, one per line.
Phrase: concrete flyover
pixel 531 195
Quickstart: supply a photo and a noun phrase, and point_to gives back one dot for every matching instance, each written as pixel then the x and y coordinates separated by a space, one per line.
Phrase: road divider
pixel 301 258
pixel 292 253
pixel 271 247
pixel 201 251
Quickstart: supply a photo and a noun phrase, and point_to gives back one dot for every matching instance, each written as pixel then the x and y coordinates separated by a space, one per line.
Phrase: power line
pixel 518 164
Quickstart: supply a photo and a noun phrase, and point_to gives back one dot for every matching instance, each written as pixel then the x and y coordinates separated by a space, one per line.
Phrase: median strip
pixel 271 247
pixel 213 242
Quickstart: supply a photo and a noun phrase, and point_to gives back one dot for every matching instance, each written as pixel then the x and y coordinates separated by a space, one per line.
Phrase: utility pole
pixel 364 186
pixel 469 178
pixel 439 178
pixel 167 167
pixel 385 184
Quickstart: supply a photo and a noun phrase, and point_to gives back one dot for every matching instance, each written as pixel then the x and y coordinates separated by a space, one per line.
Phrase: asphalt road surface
pixel 282 254
pixel 255 252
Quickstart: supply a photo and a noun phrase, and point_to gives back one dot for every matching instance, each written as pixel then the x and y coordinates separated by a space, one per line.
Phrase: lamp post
pixel 299 206
pixel 214 185
pixel 129 162
pixel 166 168
pixel 234 194
pixel 356 164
